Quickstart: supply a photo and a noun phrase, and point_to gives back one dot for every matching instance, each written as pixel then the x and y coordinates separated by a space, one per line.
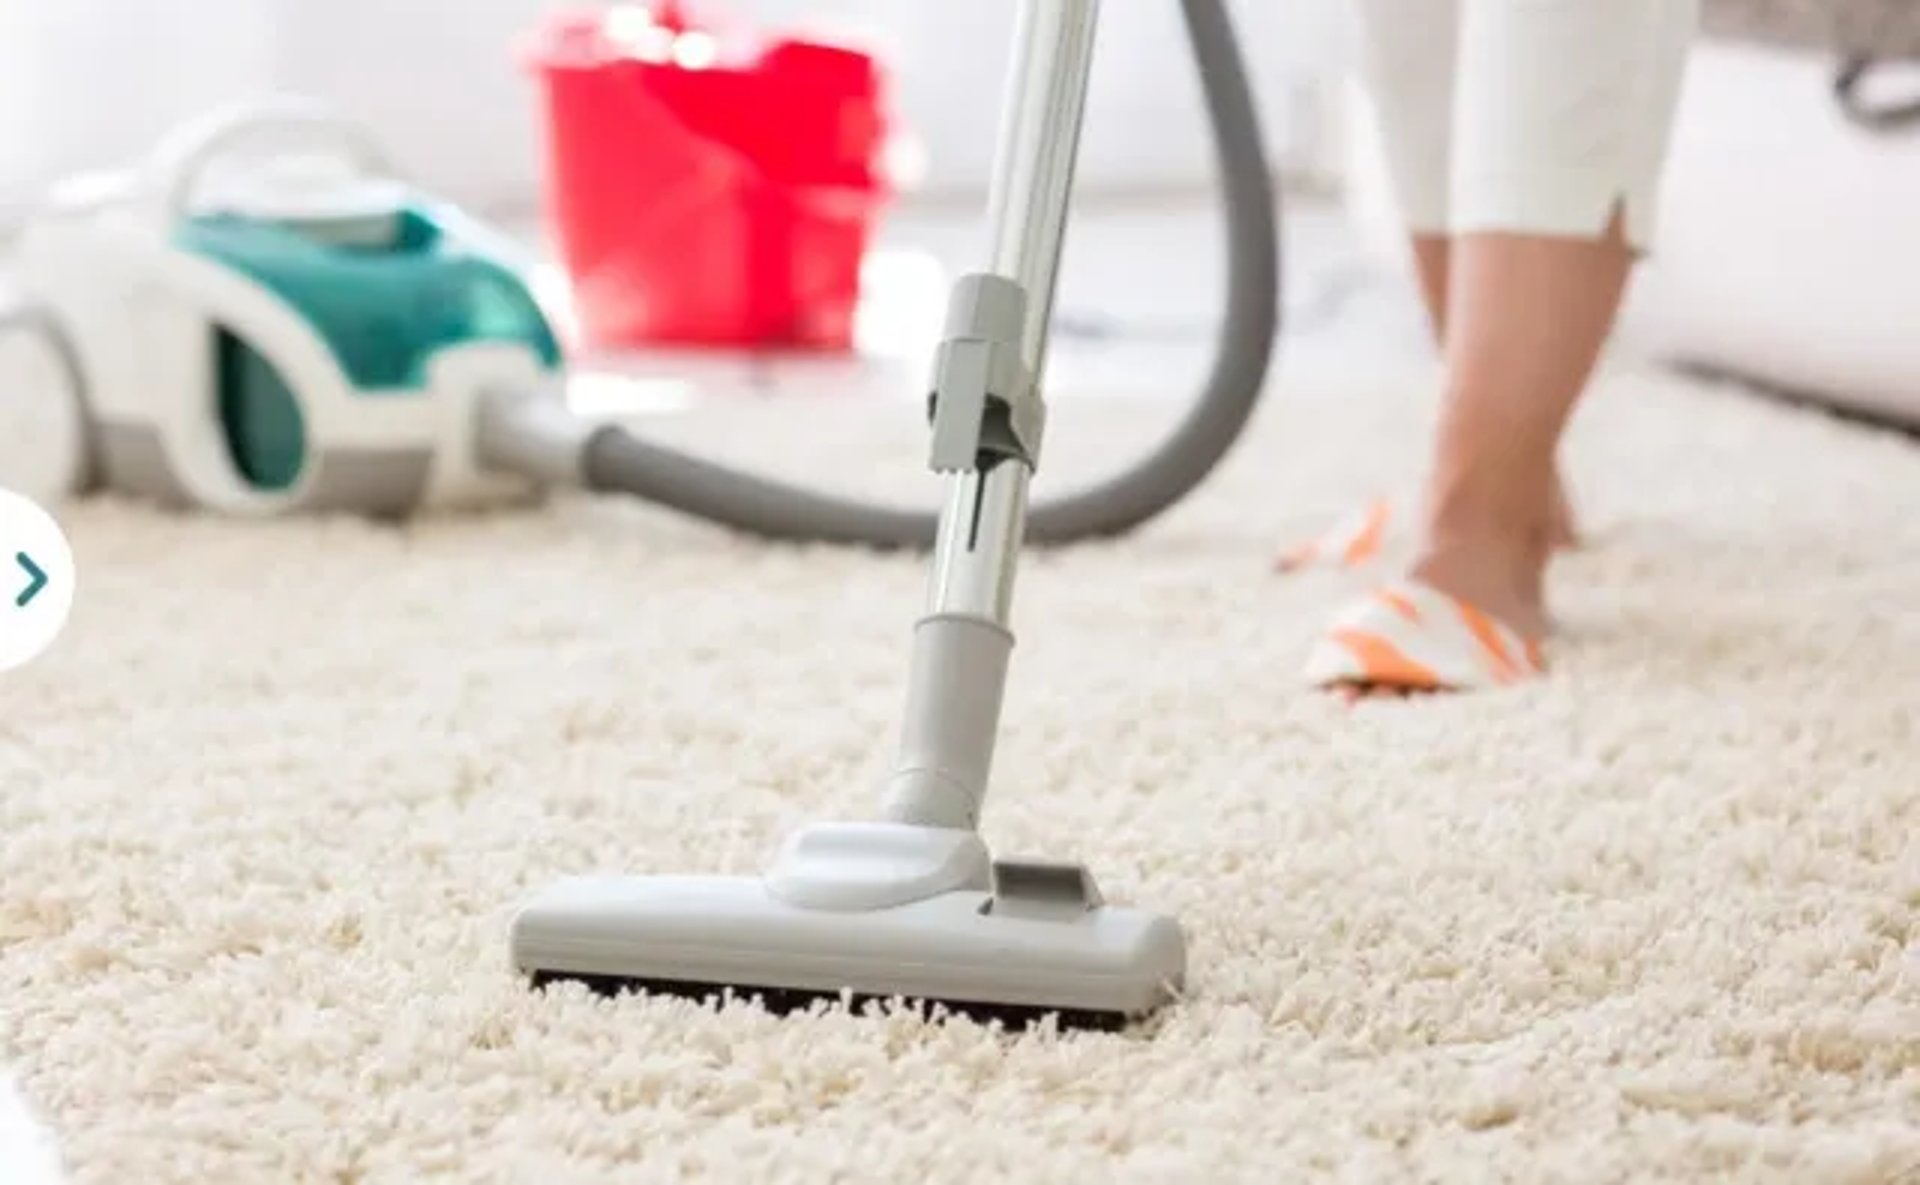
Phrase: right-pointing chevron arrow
pixel 36 579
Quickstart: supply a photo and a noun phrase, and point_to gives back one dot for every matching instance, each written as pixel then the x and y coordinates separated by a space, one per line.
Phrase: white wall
pixel 1144 125
pixel 439 79
pixel 88 82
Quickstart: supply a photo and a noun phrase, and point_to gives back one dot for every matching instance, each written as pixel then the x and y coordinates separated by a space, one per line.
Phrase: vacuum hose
pixel 613 459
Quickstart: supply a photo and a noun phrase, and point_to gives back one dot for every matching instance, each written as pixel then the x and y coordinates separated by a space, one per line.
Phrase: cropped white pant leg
pixel 1527 116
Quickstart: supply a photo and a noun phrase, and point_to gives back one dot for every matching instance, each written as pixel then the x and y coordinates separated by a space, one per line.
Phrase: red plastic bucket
pixel 707 189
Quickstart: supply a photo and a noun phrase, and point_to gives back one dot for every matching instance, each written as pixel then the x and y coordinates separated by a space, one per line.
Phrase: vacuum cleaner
pixel 264 318
pixel 911 905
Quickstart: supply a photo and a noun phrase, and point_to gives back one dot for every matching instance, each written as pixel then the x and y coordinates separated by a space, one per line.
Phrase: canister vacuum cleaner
pixel 260 320
pixel 264 319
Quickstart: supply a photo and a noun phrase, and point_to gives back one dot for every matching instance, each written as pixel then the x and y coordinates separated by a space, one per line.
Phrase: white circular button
pixel 36 580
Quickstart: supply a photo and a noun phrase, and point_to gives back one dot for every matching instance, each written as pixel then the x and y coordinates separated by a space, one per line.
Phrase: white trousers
pixel 1528 116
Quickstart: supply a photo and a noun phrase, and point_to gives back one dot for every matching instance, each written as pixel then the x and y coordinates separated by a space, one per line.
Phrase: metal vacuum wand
pixel 988 418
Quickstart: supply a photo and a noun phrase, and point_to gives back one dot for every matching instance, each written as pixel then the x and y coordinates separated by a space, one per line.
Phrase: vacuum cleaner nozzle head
pixel 1020 951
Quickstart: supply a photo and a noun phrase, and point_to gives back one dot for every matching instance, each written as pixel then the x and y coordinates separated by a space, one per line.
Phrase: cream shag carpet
pixel 264 811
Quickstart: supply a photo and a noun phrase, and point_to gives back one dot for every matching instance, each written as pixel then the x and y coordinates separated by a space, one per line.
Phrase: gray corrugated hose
pixel 616 460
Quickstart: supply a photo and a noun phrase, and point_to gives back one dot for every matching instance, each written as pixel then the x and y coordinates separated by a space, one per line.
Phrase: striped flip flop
pixel 1356 539
pixel 1408 636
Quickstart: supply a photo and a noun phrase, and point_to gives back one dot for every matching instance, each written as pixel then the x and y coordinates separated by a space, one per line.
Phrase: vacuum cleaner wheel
pixel 43 433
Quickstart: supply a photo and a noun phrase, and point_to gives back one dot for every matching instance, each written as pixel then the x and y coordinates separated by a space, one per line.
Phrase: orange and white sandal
pixel 1354 540
pixel 1408 636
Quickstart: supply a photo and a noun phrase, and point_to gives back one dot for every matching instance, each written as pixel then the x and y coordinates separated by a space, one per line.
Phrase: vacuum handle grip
pixel 181 158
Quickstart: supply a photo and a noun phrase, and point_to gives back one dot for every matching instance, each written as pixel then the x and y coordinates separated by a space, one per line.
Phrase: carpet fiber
pixel 264 810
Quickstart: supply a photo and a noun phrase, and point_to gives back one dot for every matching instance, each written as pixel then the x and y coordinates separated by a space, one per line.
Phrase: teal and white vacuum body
pixel 294 332
pixel 410 323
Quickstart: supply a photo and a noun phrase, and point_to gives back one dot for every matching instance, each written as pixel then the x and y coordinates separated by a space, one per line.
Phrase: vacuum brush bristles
pixel 872 911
